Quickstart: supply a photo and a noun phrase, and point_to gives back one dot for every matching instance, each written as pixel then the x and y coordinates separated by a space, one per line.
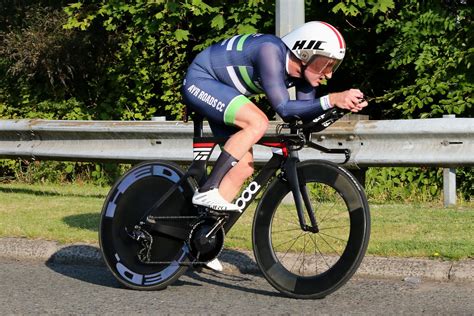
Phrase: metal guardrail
pixel 444 142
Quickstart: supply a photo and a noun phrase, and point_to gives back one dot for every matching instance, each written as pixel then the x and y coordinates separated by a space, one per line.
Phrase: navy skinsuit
pixel 221 76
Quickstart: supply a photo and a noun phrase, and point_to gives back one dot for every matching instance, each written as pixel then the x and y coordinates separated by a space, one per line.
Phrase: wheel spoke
pixel 304 252
pixel 285 242
pixel 330 245
pixel 297 259
pixel 320 253
pixel 332 236
pixel 296 239
pixel 287 221
pixel 332 227
pixel 315 255
pixel 280 216
pixel 333 215
pixel 286 230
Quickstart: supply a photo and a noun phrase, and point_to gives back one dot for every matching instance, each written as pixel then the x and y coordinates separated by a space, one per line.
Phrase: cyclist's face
pixel 319 68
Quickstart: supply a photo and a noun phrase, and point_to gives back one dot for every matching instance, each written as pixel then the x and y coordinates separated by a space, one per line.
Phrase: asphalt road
pixel 33 287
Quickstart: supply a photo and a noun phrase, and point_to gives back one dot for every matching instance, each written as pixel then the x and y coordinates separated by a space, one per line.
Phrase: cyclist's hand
pixel 352 100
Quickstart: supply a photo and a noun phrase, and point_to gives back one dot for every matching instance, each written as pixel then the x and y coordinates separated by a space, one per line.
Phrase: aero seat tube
pixel 198 125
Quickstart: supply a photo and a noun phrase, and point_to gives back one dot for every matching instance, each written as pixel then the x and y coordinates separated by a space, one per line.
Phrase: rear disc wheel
pixel 131 197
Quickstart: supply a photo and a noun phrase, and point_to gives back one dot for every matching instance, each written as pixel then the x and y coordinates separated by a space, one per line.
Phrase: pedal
pixel 219 214
pixel 203 210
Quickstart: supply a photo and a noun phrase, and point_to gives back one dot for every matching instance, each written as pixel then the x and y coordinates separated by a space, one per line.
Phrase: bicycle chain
pixel 147 246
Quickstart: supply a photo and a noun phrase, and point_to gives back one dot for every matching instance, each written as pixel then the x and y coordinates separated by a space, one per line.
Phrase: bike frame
pixel 203 148
pixel 285 157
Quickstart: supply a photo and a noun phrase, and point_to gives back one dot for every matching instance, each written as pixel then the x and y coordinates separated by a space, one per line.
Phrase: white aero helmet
pixel 316 39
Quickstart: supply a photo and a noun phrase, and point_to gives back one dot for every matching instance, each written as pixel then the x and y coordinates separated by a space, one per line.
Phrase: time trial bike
pixel 310 229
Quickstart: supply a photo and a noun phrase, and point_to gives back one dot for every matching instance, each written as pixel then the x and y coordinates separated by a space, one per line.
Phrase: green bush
pixel 404 184
pixel 32 172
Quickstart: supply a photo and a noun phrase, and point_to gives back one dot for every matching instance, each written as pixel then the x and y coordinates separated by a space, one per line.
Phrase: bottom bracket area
pixel 203 245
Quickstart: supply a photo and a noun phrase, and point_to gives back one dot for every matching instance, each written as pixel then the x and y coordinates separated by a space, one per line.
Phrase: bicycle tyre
pixel 130 197
pixel 342 210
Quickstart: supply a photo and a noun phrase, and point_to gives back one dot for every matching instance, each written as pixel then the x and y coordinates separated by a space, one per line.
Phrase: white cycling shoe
pixel 214 265
pixel 212 199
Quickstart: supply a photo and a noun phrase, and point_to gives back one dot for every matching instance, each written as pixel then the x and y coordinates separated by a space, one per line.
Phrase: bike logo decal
pixel 278 148
pixel 146 171
pixel 201 153
pixel 202 150
pixel 154 278
pixel 247 195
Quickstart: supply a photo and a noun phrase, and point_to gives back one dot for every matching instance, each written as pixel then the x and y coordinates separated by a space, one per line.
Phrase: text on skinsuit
pixel 207 98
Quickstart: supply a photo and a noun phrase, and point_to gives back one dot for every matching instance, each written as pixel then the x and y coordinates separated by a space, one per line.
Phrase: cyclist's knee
pixel 258 126
pixel 253 120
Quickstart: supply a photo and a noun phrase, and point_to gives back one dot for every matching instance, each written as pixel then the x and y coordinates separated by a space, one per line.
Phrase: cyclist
pixel 221 77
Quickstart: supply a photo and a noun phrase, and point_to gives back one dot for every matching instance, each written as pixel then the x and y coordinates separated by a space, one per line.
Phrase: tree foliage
pixel 430 49
pixel 48 71
pixel 412 58
pixel 126 60
pixel 158 39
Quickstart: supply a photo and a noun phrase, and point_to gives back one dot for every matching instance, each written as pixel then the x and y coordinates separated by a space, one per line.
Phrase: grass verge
pixel 70 213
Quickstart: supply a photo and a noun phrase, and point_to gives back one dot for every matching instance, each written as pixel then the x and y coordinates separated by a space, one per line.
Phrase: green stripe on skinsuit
pixel 240 44
pixel 233 108
pixel 245 75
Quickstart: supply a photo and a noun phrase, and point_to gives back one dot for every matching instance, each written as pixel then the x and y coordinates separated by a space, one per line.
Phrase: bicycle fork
pixel 300 195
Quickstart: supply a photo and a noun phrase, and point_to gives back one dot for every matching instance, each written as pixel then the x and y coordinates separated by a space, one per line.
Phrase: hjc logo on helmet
pixel 311 45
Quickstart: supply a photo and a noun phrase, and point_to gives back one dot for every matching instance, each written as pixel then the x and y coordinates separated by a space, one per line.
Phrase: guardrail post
pixel 449 181
pixel 449 186
pixel 289 15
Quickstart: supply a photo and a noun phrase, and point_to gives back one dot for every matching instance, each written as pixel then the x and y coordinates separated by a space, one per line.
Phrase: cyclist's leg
pixel 235 178
pixel 224 105
pixel 253 123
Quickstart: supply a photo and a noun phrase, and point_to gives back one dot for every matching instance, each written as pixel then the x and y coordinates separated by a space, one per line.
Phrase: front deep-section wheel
pixel 304 263
pixel 146 259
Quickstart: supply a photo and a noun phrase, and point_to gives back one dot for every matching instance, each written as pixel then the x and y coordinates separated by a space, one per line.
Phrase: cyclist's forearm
pixel 304 109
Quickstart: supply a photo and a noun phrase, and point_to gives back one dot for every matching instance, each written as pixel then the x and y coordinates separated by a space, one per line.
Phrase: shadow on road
pixel 230 281
pixel 82 262
pixel 73 260
pixel 85 263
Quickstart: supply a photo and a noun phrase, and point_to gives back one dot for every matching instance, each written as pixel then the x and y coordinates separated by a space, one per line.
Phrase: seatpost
pixel 198 125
